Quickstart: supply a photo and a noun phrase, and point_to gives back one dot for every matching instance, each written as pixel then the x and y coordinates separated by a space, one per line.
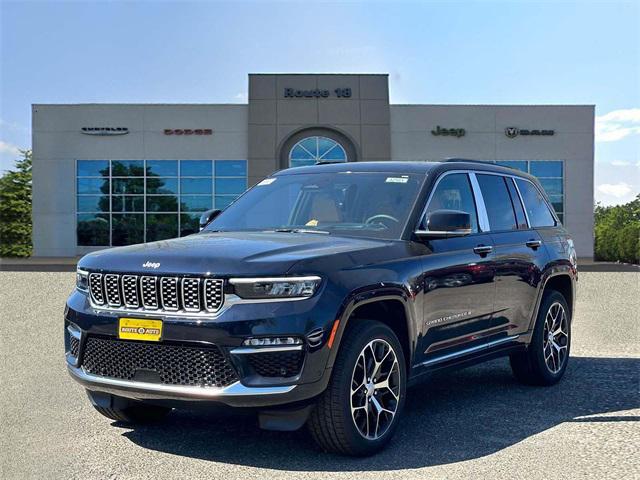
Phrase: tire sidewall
pixel 537 343
pixel 346 361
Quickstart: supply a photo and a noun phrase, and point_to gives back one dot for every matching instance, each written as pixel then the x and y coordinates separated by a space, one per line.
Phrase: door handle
pixel 483 250
pixel 534 244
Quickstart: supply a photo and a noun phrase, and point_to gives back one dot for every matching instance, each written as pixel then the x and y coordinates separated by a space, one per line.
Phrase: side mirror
pixel 446 223
pixel 207 217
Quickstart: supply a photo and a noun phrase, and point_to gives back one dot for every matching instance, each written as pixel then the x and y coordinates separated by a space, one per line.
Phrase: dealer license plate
pixel 140 329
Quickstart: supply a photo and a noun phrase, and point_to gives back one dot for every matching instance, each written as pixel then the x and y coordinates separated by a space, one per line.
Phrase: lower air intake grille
pixel 276 364
pixel 172 364
pixel 74 345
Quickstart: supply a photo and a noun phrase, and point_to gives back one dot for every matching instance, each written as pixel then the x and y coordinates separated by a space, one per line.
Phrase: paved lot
pixel 476 423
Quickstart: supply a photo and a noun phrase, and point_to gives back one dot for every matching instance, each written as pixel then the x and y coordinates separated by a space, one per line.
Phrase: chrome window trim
pixel 483 216
pixel 524 207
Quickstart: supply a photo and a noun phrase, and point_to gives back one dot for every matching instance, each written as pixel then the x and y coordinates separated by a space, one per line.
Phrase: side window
pixel 497 202
pixel 454 193
pixel 537 209
pixel 517 204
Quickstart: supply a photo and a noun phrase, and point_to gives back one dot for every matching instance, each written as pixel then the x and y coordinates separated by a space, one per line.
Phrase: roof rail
pixel 484 162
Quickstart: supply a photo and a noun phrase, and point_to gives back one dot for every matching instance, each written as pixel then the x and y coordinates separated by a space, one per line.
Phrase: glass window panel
pixel 189 223
pixel 518 165
pixel 299 153
pixel 192 203
pixel 195 185
pixel 311 145
pixel 223 201
pixel 127 203
pixel 537 210
pixel 195 168
pixel 162 226
pixel 156 185
pixel 546 169
pixel 93 185
pixel 231 168
pixel 127 168
pixel 128 229
pixel 324 145
pixel 93 203
pixel 127 185
pixel 553 186
pixel 93 168
pixel 234 186
pixel 93 230
pixel 497 202
pixel 162 168
pixel 557 203
pixel 453 193
pixel 162 203
pixel 517 204
pixel 336 153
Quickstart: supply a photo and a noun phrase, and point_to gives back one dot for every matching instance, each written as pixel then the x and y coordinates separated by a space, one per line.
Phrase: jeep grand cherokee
pixel 323 292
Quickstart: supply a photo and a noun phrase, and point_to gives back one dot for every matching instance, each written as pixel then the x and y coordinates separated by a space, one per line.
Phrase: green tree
pixel 617 232
pixel 15 209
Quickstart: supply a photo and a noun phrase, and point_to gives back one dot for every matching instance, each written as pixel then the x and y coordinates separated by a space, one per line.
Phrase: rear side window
pixel 497 202
pixel 517 204
pixel 454 193
pixel 537 209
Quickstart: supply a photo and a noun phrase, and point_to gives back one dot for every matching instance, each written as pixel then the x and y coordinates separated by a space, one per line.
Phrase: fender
pixel 554 271
pixel 372 294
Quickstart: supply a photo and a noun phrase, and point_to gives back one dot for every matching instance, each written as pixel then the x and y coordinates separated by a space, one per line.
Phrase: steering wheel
pixel 381 216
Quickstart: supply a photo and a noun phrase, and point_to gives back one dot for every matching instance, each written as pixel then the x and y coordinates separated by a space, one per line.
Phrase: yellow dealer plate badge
pixel 140 329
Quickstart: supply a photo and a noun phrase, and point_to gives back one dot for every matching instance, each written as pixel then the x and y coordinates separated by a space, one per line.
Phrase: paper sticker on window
pixel 267 181
pixel 396 180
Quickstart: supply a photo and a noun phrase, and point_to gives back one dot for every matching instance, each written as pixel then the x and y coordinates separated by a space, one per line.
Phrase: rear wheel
pixel 127 411
pixel 545 360
pixel 360 409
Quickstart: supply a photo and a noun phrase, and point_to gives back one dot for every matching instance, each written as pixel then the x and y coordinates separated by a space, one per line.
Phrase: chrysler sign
pixel 104 131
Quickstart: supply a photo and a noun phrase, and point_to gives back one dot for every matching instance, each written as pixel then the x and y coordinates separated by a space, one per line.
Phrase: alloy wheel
pixel 555 340
pixel 375 389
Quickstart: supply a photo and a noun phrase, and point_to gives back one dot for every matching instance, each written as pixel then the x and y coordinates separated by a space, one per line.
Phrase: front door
pixel 459 290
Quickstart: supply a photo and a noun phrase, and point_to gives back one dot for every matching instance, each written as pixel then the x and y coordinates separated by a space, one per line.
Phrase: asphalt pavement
pixel 473 423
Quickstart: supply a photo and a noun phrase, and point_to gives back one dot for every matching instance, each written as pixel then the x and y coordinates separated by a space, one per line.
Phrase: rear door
pixel 519 253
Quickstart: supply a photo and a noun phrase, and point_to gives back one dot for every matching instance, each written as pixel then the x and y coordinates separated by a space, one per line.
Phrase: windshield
pixel 345 203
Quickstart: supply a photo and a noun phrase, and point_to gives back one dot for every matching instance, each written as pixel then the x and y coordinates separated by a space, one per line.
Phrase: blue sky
pixel 434 52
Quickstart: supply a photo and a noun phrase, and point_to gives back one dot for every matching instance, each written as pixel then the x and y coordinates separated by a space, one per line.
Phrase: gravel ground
pixel 473 423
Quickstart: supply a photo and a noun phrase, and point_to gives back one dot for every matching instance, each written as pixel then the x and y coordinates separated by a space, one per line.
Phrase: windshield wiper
pixel 300 230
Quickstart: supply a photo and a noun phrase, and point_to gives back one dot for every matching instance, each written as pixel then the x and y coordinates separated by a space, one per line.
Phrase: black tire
pixel 128 411
pixel 331 423
pixel 531 366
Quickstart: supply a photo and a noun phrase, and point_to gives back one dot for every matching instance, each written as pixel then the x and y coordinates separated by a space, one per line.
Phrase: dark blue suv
pixel 323 292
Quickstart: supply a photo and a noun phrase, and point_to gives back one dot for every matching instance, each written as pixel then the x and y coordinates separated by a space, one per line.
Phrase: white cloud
pixel 618 124
pixel 8 149
pixel 618 190
pixel 241 97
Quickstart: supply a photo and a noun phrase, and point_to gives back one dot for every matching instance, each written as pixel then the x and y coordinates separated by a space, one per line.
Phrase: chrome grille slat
pixel 191 294
pixel 130 291
pixel 156 294
pixel 112 290
pixel 95 286
pixel 169 293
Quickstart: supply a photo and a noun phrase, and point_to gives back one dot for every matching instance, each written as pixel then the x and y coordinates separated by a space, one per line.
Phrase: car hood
pixel 225 253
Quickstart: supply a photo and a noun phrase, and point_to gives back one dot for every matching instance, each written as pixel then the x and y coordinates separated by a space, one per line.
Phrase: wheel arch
pixel 562 281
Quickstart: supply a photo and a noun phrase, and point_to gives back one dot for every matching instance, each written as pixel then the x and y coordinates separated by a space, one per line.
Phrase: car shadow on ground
pixel 453 417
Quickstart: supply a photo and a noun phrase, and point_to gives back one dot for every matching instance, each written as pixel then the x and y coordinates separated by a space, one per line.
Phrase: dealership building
pixel 117 174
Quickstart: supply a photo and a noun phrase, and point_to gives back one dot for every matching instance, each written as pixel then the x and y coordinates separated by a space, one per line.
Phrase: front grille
pixel 276 364
pixel 155 293
pixel 167 364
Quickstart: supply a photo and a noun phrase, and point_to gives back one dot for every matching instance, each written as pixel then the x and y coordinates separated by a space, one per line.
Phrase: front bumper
pixel 226 332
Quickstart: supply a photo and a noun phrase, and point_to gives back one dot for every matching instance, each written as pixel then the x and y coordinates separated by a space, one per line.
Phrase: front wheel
pixel 361 407
pixel 546 357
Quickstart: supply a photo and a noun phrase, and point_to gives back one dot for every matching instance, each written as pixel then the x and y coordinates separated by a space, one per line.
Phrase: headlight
pixel 82 280
pixel 284 287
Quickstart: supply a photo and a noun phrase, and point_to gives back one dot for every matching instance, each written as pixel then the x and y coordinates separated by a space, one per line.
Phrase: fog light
pixel 272 341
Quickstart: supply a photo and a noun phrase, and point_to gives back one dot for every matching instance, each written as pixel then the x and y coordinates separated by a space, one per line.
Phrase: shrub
pixel 617 232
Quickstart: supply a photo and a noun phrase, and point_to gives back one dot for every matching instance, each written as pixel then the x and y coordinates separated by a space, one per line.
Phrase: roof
pixel 405 167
